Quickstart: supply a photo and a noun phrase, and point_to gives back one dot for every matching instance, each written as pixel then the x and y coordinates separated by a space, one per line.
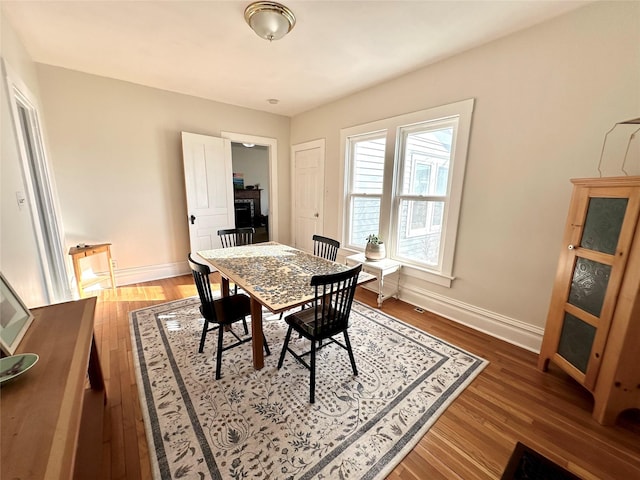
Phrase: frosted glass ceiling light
pixel 270 20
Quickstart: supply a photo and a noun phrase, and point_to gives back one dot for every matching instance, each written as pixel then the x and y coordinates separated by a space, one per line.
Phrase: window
pixel 404 180
pixel 421 192
pixel 365 186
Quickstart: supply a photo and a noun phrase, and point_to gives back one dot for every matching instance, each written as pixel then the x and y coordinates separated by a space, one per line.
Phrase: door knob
pixel 193 219
pixel 316 215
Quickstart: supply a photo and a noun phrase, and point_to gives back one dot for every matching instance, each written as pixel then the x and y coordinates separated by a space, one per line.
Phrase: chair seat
pixel 305 323
pixel 228 309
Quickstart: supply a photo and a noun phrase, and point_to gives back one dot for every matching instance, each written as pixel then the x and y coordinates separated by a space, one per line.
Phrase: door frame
pixel 41 189
pixel 272 148
pixel 319 143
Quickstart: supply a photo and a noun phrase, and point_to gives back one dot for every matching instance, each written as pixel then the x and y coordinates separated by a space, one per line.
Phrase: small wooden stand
pixel 78 253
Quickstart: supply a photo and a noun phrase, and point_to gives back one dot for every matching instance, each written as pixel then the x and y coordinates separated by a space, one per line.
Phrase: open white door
pixel 208 176
pixel 308 192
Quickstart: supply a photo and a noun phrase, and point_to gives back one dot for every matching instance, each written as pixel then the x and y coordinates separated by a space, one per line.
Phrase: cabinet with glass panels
pixel 593 324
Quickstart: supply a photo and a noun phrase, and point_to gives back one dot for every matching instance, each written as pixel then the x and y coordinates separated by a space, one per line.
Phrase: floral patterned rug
pixel 260 425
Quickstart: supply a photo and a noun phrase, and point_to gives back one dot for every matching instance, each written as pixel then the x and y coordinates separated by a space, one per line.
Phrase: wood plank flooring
pixel 510 401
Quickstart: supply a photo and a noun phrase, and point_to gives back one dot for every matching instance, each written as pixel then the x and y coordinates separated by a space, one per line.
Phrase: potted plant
pixel 375 248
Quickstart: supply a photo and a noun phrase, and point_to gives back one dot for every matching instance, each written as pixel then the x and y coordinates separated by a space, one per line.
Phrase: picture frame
pixel 15 318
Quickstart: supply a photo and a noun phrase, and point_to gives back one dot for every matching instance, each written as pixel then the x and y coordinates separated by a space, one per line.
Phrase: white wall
pixel 19 257
pixel 117 158
pixel 544 99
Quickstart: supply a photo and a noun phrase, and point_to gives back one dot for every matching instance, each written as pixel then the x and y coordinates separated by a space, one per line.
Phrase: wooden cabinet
pixel 593 324
pixel 51 416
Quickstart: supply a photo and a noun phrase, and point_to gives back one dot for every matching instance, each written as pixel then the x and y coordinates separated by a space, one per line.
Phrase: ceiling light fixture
pixel 270 20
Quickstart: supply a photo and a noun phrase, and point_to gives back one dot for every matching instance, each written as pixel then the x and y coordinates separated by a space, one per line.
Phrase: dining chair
pixel 324 247
pixel 220 313
pixel 327 317
pixel 235 237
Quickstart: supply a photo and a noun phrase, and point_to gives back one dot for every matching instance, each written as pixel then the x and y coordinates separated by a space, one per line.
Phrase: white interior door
pixel 308 192
pixel 208 178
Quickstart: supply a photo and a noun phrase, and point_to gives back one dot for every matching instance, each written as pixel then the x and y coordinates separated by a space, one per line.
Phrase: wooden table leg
pixel 256 334
pixel 225 286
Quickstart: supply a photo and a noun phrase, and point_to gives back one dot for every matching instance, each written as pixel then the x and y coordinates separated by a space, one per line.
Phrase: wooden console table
pixel 51 418
pixel 78 253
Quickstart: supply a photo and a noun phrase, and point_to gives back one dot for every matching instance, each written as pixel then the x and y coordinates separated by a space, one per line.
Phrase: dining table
pixel 274 276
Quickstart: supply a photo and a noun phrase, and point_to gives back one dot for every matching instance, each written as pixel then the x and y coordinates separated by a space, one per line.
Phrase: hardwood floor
pixel 510 401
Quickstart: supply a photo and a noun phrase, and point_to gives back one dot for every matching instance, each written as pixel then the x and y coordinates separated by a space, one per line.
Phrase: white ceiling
pixel 205 48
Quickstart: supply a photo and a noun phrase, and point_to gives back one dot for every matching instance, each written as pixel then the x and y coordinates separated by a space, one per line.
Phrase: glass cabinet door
pixel 598 237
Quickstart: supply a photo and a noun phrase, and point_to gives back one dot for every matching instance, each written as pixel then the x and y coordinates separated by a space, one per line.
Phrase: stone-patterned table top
pixel 276 275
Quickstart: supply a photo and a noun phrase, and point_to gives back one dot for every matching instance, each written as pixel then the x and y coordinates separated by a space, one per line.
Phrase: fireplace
pixel 247 207
pixel 244 212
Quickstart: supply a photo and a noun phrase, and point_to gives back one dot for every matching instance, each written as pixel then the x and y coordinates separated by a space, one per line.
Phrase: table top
pixel 277 275
pixel 77 249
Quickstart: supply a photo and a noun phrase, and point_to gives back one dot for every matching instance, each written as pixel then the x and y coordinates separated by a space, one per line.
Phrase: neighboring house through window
pixel 403 181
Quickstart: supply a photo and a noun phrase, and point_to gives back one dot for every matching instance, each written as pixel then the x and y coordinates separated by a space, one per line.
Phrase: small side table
pixel 78 253
pixel 379 268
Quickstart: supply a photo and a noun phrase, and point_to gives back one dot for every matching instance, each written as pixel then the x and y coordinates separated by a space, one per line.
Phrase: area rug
pixel 260 425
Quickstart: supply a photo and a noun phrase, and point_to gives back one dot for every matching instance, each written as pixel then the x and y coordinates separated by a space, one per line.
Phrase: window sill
pixel 411 271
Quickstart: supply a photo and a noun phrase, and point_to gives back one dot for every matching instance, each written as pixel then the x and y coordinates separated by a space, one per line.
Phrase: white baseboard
pixel 128 276
pixel 505 328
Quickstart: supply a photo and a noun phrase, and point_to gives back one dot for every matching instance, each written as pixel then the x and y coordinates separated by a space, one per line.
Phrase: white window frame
pixel 463 111
pixel 350 181
pixel 416 232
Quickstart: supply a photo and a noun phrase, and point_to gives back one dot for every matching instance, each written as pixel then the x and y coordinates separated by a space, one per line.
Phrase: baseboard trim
pixel 128 276
pixel 500 326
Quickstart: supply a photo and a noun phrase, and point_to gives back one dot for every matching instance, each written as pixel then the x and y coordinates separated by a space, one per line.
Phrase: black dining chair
pixel 235 237
pixel 220 313
pixel 327 316
pixel 324 247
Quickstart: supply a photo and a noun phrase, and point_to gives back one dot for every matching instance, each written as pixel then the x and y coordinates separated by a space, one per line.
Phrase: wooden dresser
pixel 52 415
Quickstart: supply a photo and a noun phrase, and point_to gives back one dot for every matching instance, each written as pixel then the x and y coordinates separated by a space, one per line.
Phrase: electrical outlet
pixel 419 310
pixel 114 263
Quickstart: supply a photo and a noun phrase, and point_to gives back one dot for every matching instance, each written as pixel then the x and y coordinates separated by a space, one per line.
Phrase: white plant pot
pixel 374 251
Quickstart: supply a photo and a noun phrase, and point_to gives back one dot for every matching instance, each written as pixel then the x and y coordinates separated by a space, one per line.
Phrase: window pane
pixel 365 219
pixel 426 162
pixel 576 341
pixel 368 161
pixel 589 285
pixel 603 224
pixel 420 231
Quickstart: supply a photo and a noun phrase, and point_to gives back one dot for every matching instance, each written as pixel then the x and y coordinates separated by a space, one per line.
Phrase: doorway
pixel 40 189
pixel 251 188
pixel 256 183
